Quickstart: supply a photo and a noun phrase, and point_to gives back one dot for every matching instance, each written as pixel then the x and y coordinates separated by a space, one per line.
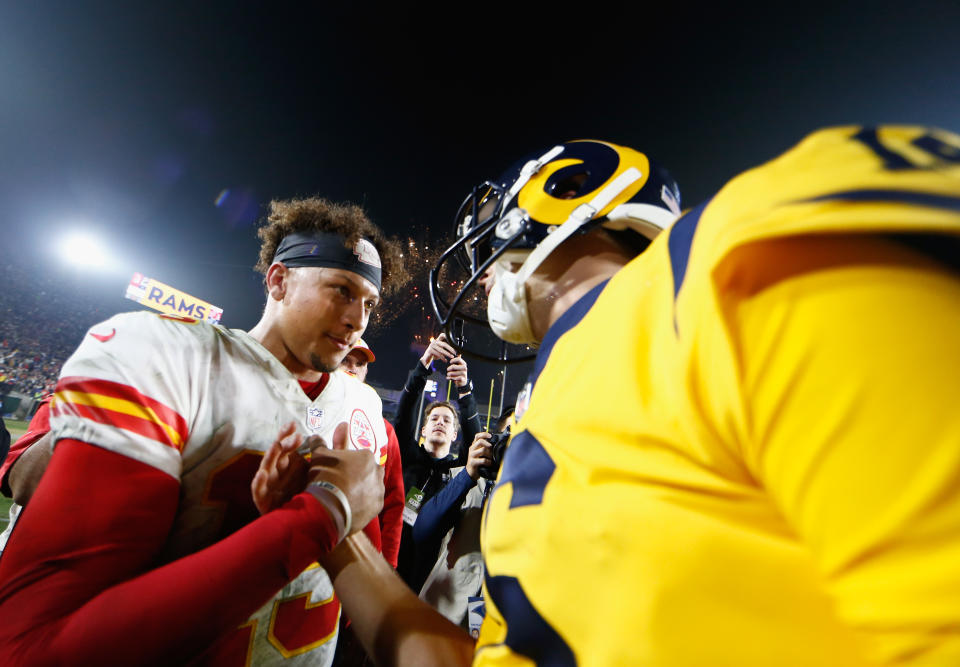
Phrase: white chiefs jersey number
pixel 203 403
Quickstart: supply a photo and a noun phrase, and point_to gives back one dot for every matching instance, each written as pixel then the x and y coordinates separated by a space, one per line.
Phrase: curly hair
pixel 347 220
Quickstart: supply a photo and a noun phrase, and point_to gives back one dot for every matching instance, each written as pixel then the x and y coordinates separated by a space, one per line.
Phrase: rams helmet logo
pixel 535 206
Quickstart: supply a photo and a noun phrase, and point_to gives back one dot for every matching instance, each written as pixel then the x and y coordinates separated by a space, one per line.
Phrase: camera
pixel 498 445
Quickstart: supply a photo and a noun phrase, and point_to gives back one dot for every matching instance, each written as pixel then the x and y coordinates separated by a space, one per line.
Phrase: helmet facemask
pixel 531 211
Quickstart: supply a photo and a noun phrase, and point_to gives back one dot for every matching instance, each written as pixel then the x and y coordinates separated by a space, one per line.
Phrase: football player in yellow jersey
pixel 772 473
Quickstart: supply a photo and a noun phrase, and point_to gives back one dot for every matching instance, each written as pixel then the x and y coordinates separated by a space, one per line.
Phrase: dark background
pixel 133 119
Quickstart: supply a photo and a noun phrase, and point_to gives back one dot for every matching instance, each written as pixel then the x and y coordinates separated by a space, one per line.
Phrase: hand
pixel 355 472
pixel 282 472
pixel 457 371
pixel 438 348
pixel 479 455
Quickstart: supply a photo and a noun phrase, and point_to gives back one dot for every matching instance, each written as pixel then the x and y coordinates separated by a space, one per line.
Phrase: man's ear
pixel 276 281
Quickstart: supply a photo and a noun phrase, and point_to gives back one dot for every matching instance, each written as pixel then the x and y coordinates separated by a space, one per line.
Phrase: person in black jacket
pixel 4 440
pixel 426 469
pixel 450 524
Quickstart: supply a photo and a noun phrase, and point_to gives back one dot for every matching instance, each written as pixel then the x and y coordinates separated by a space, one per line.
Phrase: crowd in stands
pixel 41 323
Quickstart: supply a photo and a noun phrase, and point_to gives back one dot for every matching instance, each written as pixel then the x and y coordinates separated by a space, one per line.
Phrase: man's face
pixel 439 430
pixel 323 313
pixel 356 364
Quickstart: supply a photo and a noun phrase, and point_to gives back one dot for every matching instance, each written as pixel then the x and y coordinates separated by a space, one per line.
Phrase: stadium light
pixel 84 249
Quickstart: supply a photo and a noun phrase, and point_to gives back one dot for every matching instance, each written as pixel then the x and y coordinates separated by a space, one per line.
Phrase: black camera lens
pixel 498 445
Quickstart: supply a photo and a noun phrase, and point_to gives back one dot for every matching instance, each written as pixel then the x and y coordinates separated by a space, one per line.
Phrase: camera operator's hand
pixel 457 371
pixel 438 348
pixel 479 455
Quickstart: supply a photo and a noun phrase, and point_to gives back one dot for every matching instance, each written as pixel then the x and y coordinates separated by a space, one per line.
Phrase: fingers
pixel 481 454
pixel 340 436
pixel 479 457
pixel 315 443
pixel 286 430
pixel 291 443
pixel 356 473
pixel 320 452
pixel 282 471
pixel 441 348
pixel 281 445
pixel 457 373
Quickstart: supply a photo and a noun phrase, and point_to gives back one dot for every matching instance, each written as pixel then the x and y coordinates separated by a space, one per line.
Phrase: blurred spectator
pixel 23 465
pixel 449 523
pixel 4 439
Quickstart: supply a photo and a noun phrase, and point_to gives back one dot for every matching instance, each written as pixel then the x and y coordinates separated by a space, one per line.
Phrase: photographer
pixel 426 469
pixel 449 523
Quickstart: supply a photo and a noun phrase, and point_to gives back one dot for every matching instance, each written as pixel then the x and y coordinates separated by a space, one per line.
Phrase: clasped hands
pixel 284 472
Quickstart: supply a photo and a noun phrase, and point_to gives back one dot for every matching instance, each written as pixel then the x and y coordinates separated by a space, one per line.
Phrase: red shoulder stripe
pixel 122 406
pixel 140 426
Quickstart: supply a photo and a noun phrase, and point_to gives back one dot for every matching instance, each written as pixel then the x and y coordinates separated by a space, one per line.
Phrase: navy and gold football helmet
pixel 528 212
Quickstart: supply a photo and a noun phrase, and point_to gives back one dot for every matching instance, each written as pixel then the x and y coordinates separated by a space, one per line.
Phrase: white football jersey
pixel 203 403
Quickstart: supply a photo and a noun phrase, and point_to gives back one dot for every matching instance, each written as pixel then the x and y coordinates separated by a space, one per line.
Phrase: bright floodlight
pixel 84 250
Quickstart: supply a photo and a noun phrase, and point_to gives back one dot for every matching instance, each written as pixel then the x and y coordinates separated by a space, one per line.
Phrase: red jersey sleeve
pixel 391 517
pixel 78 583
pixel 39 426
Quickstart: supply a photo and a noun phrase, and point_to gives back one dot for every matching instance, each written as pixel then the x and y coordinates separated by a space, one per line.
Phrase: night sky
pixel 135 119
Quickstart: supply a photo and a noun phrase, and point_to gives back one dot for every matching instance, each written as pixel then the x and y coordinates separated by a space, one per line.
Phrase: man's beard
pixel 319 365
pixel 433 447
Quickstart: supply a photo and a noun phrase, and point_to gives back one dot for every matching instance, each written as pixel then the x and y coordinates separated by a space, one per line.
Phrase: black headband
pixel 327 250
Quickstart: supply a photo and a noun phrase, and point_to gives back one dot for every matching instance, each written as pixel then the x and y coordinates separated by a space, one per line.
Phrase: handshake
pixel 349 483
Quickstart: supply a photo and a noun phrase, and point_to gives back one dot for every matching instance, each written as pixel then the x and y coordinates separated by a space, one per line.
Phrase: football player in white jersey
pixel 143 543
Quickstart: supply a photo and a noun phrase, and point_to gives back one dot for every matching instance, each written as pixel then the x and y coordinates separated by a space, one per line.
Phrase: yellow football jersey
pixel 744 449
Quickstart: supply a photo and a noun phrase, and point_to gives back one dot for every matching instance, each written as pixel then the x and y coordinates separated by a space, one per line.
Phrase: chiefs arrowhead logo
pixel 361 431
pixel 366 252
pixel 103 338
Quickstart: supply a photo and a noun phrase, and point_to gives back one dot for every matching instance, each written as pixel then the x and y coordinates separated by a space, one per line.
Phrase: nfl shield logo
pixel 314 418
pixel 523 400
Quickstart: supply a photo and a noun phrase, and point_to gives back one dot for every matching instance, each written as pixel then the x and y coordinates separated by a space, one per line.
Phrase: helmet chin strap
pixel 507 310
pixel 529 169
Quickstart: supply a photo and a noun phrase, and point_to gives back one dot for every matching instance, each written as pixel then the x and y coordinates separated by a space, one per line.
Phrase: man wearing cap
pixel 143 541
pixel 357 363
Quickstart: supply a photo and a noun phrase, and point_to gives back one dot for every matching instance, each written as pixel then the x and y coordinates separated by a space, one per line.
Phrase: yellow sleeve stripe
pixel 120 406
